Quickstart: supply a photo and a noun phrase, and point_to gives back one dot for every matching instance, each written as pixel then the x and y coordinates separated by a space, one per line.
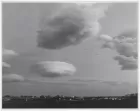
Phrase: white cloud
pixel 8 78
pixel 125 45
pixel 6 54
pixel 53 69
pixel 70 25
pixel 105 38
pixel 6 65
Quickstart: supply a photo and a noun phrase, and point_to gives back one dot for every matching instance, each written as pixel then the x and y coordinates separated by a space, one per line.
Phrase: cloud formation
pixel 70 25
pixel 12 78
pixel 5 67
pixel 127 63
pixel 6 54
pixel 105 38
pixel 125 45
pixel 60 82
pixel 53 69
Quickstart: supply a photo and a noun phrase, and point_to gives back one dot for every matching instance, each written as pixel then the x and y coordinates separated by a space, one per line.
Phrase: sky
pixel 94 66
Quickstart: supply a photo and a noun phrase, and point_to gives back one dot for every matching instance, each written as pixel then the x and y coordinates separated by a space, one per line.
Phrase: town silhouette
pixel 60 101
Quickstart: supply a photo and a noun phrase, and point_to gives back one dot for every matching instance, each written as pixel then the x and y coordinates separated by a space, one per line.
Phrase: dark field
pixel 127 102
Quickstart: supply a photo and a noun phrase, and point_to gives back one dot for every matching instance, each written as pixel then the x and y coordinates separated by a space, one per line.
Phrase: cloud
pixel 109 45
pixel 6 54
pixel 70 25
pixel 126 49
pixel 12 78
pixel 4 64
pixel 127 63
pixel 112 83
pixel 5 67
pixel 107 41
pixel 125 44
pixel 84 80
pixel 105 38
pixel 60 82
pixel 131 33
pixel 53 69
pixel 8 77
pixel 99 80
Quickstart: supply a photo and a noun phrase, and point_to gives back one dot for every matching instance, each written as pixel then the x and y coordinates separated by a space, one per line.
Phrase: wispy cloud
pixel 44 81
pixel 99 81
pixel 84 80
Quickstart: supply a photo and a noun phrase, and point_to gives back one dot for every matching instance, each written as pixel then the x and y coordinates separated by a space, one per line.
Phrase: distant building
pixel 6 98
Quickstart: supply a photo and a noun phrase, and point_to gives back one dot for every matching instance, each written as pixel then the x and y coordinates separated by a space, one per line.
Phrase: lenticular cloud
pixel 53 69
pixel 70 25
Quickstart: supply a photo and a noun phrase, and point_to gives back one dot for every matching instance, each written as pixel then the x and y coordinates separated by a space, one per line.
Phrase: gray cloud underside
pixel 70 25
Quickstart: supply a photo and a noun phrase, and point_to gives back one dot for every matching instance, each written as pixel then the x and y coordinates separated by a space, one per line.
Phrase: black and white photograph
pixel 69 55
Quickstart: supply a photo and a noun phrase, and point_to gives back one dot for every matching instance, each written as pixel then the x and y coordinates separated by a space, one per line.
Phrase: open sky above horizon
pixel 20 23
